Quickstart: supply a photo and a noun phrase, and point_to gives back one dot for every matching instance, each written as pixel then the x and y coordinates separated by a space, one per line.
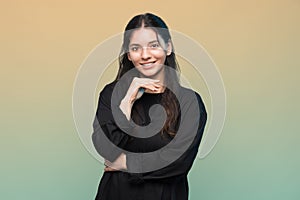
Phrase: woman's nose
pixel 145 53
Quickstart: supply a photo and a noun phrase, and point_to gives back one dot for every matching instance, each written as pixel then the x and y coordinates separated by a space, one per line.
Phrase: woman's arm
pixel 118 162
pixel 182 165
pixel 105 123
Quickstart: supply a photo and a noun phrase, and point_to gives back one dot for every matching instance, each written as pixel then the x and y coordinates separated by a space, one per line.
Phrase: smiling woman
pixel 159 172
pixel 147 52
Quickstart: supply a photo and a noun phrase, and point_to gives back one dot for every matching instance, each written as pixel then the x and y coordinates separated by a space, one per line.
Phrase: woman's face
pixel 147 52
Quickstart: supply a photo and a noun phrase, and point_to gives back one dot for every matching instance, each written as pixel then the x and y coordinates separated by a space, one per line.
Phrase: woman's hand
pixel 148 84
pixel 117 165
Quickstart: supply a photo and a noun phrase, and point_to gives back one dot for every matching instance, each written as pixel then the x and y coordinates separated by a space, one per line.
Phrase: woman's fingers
pixel 150 87
pixel 138 82
pixel 135 93
pixel 118 164
pixel 109 169
pixel 146 83
pixel 154 86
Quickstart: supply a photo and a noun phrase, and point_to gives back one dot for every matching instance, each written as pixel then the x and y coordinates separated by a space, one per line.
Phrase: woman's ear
pixel 169 48
pixel 128 56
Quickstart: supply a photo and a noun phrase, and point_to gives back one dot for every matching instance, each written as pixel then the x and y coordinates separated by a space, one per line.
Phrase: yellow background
pixel 255 45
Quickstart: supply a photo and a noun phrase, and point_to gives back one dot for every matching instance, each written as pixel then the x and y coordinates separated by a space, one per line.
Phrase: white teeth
pixel 147 64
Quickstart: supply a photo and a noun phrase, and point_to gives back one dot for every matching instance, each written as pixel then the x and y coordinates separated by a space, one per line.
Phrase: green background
pixel 255 45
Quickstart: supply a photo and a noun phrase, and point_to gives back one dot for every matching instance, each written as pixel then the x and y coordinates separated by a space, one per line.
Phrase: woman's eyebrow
pixel 133 44
pixel 154 41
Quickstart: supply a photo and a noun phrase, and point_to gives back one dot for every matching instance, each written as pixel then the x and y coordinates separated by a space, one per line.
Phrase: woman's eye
pixel 134 48
pixel 155 45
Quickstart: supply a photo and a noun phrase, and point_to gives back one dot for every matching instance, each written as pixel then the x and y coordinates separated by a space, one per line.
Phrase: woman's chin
pixel 151 73
pixel 148 75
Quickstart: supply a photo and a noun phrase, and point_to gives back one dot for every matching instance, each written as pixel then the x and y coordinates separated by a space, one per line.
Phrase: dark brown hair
pixel 169 101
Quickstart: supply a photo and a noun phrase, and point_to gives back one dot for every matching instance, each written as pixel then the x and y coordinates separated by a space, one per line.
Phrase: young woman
pixel 152 164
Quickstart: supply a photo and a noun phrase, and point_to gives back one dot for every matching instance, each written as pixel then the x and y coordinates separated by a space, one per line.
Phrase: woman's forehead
pixel 143 36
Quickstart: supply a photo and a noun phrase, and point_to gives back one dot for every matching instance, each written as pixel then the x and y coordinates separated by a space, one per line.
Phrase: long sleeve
pixel 182 165
pixel 106 144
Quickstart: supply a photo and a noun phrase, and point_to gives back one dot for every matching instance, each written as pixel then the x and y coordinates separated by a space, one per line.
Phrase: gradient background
pixel 254 44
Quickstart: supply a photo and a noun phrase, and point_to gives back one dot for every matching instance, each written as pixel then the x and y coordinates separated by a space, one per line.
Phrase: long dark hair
pixel 169 101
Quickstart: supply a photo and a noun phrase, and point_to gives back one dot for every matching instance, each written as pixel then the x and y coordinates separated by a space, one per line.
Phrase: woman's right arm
pixel 105 123
pixel 133 90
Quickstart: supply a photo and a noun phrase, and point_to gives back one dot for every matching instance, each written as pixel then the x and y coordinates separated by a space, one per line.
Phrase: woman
pixel 154 163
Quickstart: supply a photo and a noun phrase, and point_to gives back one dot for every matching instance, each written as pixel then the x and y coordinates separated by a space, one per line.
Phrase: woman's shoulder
pixel 187 93
pixel 105 94
pixel 108 89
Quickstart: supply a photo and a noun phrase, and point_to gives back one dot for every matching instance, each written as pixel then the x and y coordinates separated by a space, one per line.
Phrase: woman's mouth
pixel 148 64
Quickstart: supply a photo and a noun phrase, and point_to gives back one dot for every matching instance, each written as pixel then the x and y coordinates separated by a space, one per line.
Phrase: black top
pixel 167 183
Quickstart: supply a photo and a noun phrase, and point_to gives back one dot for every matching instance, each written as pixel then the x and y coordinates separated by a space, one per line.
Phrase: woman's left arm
pixel 183 164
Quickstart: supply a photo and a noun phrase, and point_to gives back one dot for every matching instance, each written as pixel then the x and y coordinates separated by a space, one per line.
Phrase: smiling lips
pixel 147 64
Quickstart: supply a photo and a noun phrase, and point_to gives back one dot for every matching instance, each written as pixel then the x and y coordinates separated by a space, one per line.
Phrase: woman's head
pixel 147 20
pixel 146 40
pixel 147 46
